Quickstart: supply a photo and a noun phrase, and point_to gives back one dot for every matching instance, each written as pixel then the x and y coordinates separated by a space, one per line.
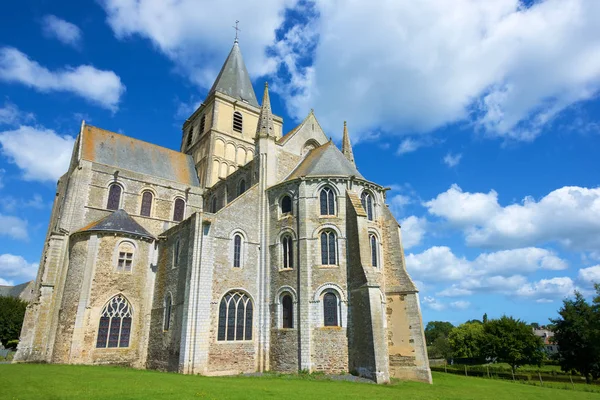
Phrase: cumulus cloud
pixel 41 154
pixel 452 160
pixel 413 231
pixel 64 31
pixel 15 269
pixel 548 289
pixel 13 227
pixel 433 303
pixel 569 215
pixel 11 115
pixel 589 275
pixel 103 88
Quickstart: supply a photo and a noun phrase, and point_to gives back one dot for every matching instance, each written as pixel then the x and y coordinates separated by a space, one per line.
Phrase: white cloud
pixel 62 30
pixel 408 145
pixel 433 304
pixel 590 275
pixel 13 226
pixel 452 160
pixel 569 215
pixel 42 154
pixel 100 87
pixel 460 304
pixel 546 289
pixel 17 269
pixel 413 231
pixel 420 65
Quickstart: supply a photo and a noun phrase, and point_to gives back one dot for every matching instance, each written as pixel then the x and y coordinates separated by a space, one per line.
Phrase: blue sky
pixel 481 117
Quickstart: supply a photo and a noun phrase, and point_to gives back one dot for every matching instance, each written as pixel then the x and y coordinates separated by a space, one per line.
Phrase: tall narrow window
pixel 286 205
pixel 287 311
pixel 237 251
pixel 367 203
pixel 374 258
pixel 114 328
pixel 241 187
pixel 167 315
pixel 327 198
pixel 176 254
pixel 330 309
pixel 237 121
pixel 288 251
pixel 146 203
pixel 235 317
pixel 114 197
pixel 125 257
pixel 178 210
pixel 328 248
pixel 213 204
pixel 190 137
pixel 202 125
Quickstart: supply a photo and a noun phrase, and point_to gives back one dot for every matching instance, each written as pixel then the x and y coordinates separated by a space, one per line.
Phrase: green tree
pixel 12 312
pixel 512 341
pixel 535 325
pixel 576 332
pixel 485 318
pixel 466 340
pixel 443 347
pixel 435 329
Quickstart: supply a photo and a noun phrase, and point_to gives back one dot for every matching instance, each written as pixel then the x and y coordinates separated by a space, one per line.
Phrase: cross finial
pixel 236 30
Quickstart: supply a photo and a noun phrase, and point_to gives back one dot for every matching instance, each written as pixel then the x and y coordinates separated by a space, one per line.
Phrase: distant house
pixel 24 291
pixel 546 335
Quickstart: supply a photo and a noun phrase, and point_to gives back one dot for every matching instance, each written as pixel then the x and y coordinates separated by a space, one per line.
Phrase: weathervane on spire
pixel 236 30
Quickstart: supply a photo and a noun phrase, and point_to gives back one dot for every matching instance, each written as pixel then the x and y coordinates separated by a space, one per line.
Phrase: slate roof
pixel 120 222
pixel 233 80
pixel 110 148
pixel 325 160
pixel 13 291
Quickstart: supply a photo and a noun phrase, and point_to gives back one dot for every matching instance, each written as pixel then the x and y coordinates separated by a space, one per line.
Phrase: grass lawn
pixel 42 381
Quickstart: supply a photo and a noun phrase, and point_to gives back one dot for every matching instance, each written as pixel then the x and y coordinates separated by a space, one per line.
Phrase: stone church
pixel 247 250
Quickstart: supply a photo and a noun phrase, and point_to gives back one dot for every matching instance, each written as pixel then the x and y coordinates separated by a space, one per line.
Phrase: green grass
pixel 41 381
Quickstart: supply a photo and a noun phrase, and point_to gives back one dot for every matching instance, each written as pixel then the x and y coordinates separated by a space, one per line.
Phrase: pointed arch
pixel 114 327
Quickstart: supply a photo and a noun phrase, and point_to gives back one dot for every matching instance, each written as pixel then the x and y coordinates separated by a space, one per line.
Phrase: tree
pixel 535 325
pixel 466 340
pixel 512 341
pixel 12 312
pixel 435 329
pixel 577 334
pixel 443 347
pixel 485 318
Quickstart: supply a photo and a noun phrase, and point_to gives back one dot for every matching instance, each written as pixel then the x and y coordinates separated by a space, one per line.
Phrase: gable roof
pixel 119 222
pixel 233 79
pixel 110 148
pixel 17 291
pixel 325 160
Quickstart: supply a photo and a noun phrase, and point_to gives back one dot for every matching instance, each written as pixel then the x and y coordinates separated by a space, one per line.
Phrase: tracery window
pixel 287 311
pixel 114 328
pixel 114 197
pixel 241 187
pixel 237 251
pixel 202 125
pixel 328 247
pixel 190 137
pixel 287 245
pixel 237 121
pixel 235 317
pixel 125 257
pixel 327 198
pixel 286 205
pixel 146 203
pixel 178 209
pixel 167 314
pixel 367 203
pixel 330 309
pixel 374 255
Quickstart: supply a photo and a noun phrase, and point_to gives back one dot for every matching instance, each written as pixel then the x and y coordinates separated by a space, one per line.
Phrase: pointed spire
pixel 265 119
pixel 347 146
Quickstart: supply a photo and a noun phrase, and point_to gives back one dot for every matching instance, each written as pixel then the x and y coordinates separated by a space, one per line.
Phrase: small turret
pixel 347 146
pixel 265 126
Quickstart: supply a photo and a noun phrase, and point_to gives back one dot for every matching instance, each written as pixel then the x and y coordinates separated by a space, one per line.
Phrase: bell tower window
pixel 237 121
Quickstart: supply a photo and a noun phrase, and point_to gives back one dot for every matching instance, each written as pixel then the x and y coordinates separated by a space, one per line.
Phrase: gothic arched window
pixel 126 251
pixel 287 245
pixel 330 309
pixel 237 251
pixel 241 187
pixel 178 209
pixel 287 311
pixel 367 203
pixel 190 137
pixel 328 248
pixel 286 205
pixel 374 258
pixel 202 125
pixel 146 203
pixel 167 314
pixel 237 121
pixel 213 204
pixel 114 328
pixel 327 198
pixel 114 197
pixel 235 317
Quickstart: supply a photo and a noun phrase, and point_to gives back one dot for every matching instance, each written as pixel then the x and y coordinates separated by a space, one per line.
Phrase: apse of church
pixel 247 250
